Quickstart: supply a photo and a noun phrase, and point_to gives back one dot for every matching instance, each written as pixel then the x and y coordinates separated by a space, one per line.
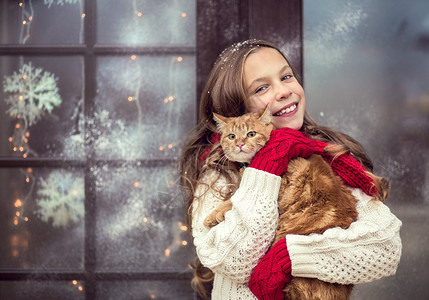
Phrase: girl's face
pixel 269 80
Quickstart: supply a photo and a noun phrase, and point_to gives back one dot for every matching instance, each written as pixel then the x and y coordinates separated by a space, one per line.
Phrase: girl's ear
pixel 220 121
pixel 266 116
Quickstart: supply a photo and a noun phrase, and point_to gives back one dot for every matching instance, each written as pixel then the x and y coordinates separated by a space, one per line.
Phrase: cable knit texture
pixel 285 144
pixel 352 173
pixel 368 250
pixel 272 273
pixel 233 248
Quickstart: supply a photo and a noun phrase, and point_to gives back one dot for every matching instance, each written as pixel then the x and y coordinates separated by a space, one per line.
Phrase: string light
pixel 161 148
pixel 170 146
pixel 133 57
pixel 184 15
pixel 184 243
pixel 136 184
pixel 83 16
pixel 145 220
pixel 18 203
pixel 139 14
pixel 180 59
pixel 167 252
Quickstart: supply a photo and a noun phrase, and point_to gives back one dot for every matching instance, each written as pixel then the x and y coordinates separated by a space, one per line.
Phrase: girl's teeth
pixel 288 110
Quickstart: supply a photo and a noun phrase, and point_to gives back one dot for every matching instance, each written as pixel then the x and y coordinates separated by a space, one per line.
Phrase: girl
pixel 246 77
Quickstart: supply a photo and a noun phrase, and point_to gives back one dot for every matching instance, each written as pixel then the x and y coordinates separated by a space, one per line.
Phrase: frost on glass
pixel 42 222
pixel 41 102
pixel 42 22
pixel 146 109
pixel 366 74
pixel 147 23
pixel 33 289
pixel 141 222
pixel 172 289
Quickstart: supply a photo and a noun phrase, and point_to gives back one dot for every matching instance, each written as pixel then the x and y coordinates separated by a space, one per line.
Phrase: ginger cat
pixel 311 198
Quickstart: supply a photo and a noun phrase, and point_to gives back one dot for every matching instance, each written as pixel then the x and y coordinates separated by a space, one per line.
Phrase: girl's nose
pixel 282 91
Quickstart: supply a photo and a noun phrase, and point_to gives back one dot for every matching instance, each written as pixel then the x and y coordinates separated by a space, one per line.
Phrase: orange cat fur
pixel 311 198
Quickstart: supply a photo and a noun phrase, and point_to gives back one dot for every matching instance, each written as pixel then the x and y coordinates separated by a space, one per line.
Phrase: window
pixel 96 98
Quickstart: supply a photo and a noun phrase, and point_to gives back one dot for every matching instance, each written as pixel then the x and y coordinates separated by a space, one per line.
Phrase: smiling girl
pixel 247 77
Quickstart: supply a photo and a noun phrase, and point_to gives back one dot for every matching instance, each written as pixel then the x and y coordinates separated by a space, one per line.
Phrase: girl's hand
pixel 285 144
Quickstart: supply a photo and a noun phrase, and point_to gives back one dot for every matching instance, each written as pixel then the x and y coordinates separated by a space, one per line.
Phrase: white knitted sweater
pixel 368 250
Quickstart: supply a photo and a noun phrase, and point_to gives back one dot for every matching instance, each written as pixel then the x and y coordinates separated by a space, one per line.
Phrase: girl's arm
pixel 235 246
pixel 368 250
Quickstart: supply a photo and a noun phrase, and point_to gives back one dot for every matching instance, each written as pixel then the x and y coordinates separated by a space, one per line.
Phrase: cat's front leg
pixel 218 215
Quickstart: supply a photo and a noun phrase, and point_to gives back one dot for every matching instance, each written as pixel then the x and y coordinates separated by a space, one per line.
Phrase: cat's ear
pixel 220 121
pixel 266 116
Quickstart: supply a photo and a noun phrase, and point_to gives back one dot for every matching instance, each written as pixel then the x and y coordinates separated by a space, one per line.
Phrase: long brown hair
pixel 225 94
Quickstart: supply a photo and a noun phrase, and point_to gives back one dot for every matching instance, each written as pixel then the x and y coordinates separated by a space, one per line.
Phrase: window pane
pixel 177 290
pixel 46 290
pixel 141 220
pixel 41 106
pixel 146 23
pixel 41 222
pixel 367 74
pixel 41 22
pixel 144 110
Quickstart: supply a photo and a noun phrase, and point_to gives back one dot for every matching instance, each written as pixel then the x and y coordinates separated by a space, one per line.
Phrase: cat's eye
pixel 231 136
pixel 251 134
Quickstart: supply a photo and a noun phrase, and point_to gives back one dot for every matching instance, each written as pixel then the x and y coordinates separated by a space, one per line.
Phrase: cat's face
pixel 242 137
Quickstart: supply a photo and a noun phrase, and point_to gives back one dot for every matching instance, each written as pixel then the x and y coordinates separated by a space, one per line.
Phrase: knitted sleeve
pixel 368 250
pixel 234 247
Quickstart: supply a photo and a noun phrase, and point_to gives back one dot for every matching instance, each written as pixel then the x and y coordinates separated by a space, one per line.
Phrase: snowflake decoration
pixel 32 92
pixel 61 199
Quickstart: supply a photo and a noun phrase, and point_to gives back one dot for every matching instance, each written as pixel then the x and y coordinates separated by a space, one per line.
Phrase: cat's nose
pixel 240 146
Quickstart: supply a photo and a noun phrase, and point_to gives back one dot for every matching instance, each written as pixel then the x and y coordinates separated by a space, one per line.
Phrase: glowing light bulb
pixel 18 203
pixel 24 76
pixel 171 98
pixel 24 22
pixel 133 57
pixel 167 252
pixel 21 97
pixel 136 184
pixel 26 219
pixel 184 243
pixel 139 14
pixel 15 221
pixel 18 213
pixel 170 146
pixel 179 59
pixel 30 18
pixel 24 155
pixel 27 134
pixel 80 288
pixel 83 16
pixel 18 126
pixel 21 149
pixel 165 100
pixel 184 15
pixel 20 4
pixel 130 98
pixel 14 149
pixel 145 220
pixel 29 170
pixel 74 282
pixel 10 139
pixel 161 148
pixel 27 180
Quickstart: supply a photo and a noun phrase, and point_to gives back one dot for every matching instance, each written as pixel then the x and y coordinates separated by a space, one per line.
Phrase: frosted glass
pixel 36 22
pixel 41 107
pixel 141 222
pixel 366 73
pixel 146 23
pixel 42 219
pixel 145 110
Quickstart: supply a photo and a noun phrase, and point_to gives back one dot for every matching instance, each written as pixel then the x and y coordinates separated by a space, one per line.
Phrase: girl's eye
pixel 231 136
pixel 286 77
pixel 260 89
pixel 251 134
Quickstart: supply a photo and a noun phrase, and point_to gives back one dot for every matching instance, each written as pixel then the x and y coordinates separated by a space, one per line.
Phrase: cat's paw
pixel 211 221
